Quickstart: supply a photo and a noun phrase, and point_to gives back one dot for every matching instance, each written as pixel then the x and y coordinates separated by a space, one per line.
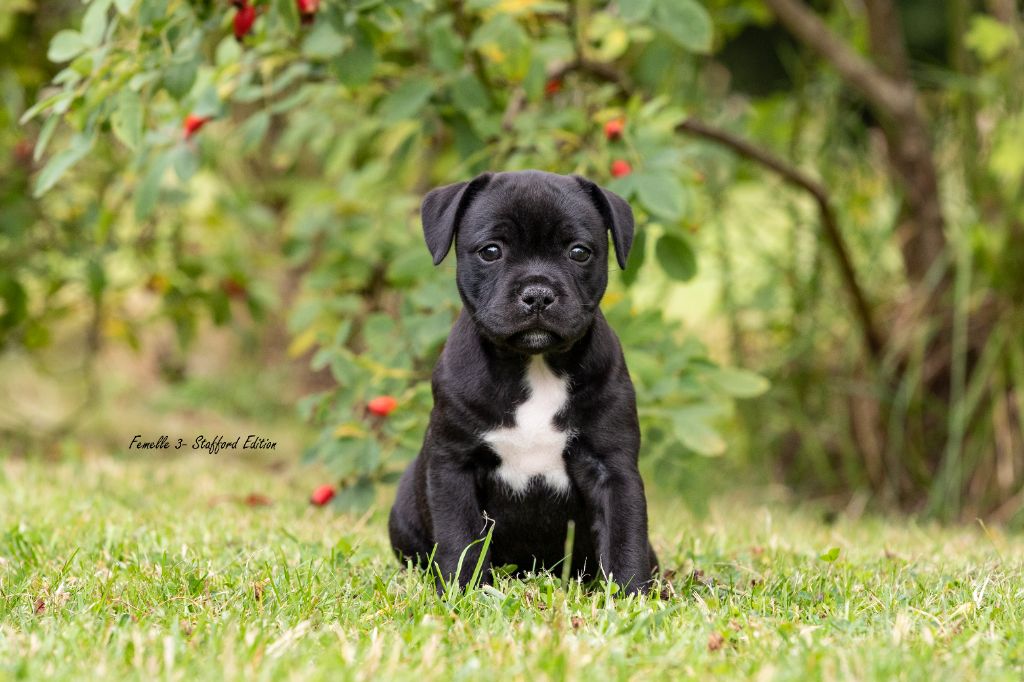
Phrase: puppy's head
pixel 532 252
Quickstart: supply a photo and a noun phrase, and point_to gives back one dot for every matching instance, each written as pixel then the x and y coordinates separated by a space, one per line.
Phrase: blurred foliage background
pixel 211 207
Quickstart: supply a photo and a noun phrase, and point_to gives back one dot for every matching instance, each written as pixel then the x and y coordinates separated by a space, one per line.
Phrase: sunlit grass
pixel 158 569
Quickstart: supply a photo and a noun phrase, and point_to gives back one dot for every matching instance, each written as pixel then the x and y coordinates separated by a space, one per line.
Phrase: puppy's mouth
pixel 535 340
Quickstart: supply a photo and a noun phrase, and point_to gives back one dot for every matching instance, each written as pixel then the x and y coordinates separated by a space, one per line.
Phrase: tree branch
pixel 892 94
pixel 605 72
pixel 878 88
pixel 794 176
pixel 873 339
pixel 885 30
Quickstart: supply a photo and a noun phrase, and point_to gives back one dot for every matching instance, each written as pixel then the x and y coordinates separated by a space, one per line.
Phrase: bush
pixel 302 135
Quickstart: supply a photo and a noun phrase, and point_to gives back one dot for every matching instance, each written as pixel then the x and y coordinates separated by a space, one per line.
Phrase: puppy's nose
pixel 536 298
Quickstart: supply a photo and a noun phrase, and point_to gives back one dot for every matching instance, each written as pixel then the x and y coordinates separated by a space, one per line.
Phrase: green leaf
pixel 151 11
pixel 368 460
pixel 378 327
pixel 185 161
pixel 254 131
pixel 44 137
pixel 428 332
pixel 468 94
pixel 65 46
pixel 228 51
pixel 208 103
pixel 148 190
pixel 180 75
pixel 57 104
pixel 989 38
pixel 323 42
pixel 355 66
pixel 288 13
pixel 486 125
pixel 141 80
pixel 676 257
pixel 126 119
pixel 691 427
pixel 830 555
pixel 94 24
pixel 662 194
pixel 356 498
pixel 407 267
pixel 686 22
pixel 535 79
pixel 635 10
pixel 625 187
pixel 503 42
pixel 738 383
pixel 1007 157
pixel 57 166
pixel 406 101
pixel 124 7
pixel 297 98
pixel 443 45
pixel 609 37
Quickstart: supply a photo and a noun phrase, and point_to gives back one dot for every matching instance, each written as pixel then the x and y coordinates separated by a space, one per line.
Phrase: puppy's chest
pixel 534 445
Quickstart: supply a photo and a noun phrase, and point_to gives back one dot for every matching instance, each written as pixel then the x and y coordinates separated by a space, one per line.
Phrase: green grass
pixel 142 569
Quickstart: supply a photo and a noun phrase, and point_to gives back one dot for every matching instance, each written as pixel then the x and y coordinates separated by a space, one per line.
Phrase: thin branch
pixel 886 85
pixel 885 30
pixel 1003 10
pixel 888 95
pixel 516 103
pixel 601 70
pixel 873 339
pixel 794 176
pixel 606 72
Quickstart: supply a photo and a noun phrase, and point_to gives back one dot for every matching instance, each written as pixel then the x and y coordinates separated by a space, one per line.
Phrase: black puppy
pixel 534 421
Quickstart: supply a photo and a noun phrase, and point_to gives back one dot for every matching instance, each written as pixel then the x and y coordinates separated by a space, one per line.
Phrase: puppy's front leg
pixel 617 511
pixel 457 520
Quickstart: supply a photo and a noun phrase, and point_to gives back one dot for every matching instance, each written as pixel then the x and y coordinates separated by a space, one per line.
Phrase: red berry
pixel 382 405
pixel 307 9
pixel 613 129
pixel 553 87
pixel 193 123
pixel 244 18
pixel 23 152
pixel 322 495
pixel 621 167
pixel 233 287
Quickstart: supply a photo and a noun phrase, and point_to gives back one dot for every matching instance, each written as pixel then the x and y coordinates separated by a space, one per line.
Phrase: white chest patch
pixel 534 445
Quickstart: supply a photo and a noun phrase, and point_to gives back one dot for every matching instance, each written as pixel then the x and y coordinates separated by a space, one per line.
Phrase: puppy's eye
pixel 580 254
pixel 490 253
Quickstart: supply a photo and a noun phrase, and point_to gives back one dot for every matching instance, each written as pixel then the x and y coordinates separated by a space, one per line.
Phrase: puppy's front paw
pixel 639 582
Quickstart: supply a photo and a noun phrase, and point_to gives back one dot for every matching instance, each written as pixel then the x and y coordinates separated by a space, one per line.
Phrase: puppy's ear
pixel 441 211
pixel 617 214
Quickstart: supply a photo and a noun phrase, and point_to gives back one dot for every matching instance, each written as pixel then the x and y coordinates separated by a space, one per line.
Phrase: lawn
pixel 146 568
